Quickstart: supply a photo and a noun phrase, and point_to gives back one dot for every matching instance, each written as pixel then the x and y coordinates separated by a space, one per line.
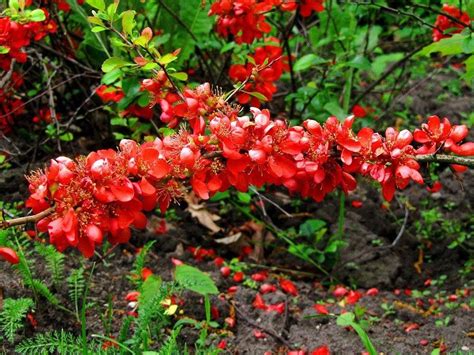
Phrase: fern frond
pixel 51 343
pixel 139 263
pixel 40 287
pixel 54 261
pixel 59 342
pixel 13 315
pixel 151 316
pixel 170 346
pixel 76 286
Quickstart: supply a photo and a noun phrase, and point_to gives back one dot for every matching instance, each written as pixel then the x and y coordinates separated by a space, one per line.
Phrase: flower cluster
pixel 246 20
pixel 107 192
pixel 446 27
pixel 260 74
pixel 14 37
pixel 436 134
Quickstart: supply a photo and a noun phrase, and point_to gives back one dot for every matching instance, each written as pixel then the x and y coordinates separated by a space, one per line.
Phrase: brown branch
pixel 27 219
pixel 444 158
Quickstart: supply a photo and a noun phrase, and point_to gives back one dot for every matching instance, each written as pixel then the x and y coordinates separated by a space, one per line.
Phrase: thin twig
pixel 27 219
pixel 402 229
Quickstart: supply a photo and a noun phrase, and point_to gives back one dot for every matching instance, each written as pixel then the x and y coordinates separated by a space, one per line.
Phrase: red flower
pixel 446 27
pixel 359 111
pixel 260 74
pixel 109 94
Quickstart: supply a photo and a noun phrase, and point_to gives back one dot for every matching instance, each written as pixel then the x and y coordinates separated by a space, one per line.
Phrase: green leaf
pixel 167 58
pixel 96 29
pixel 14 4
pixel 447 46
pixel 195 280
pixel 346 319
pixel 111 77
pixel 307 61
pixel 150 288
pixel 468 44
pixel 144 99
pixel 95 20
pixel 179 76
pixel 335 109
pixel 244 197
pixel 114 63
pixel 311 226
pixel 150 66
pixel 359 62
pixel 128 21
pixel 257 94
pixel 469 62
pixel 66 137
pixel 4 50
pixel 37 15
pixel 119 121
pixel 97 4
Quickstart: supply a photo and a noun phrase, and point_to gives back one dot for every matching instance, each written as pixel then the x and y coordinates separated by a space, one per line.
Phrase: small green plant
pixel 76 286
pixel 12 316
pixel 57 342
pixel 54 261
pixel 349 320
pixel 139 263
pixel 195 280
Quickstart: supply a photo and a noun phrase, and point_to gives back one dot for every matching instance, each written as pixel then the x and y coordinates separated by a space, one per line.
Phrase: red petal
pixel 9 255
pixel 288 287
pixel 259 303
pixel 321 309
pixel 123 190
pixel 94 233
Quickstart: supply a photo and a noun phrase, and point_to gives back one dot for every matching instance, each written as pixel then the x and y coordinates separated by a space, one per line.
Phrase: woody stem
pixel 444 158
pixel 27 219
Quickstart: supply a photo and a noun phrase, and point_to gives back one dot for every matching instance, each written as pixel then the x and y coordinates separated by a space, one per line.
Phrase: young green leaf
pixel 195 280
pixel 97 4
pixel 128 21
pixel 114 63
pixel 37 15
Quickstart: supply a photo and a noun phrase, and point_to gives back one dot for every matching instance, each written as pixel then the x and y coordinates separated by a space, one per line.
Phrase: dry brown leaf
pixel 199 211
pixel 230 239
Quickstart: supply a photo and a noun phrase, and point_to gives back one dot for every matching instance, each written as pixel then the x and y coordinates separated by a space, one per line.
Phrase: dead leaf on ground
pixel 199 211
pixel 230 239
